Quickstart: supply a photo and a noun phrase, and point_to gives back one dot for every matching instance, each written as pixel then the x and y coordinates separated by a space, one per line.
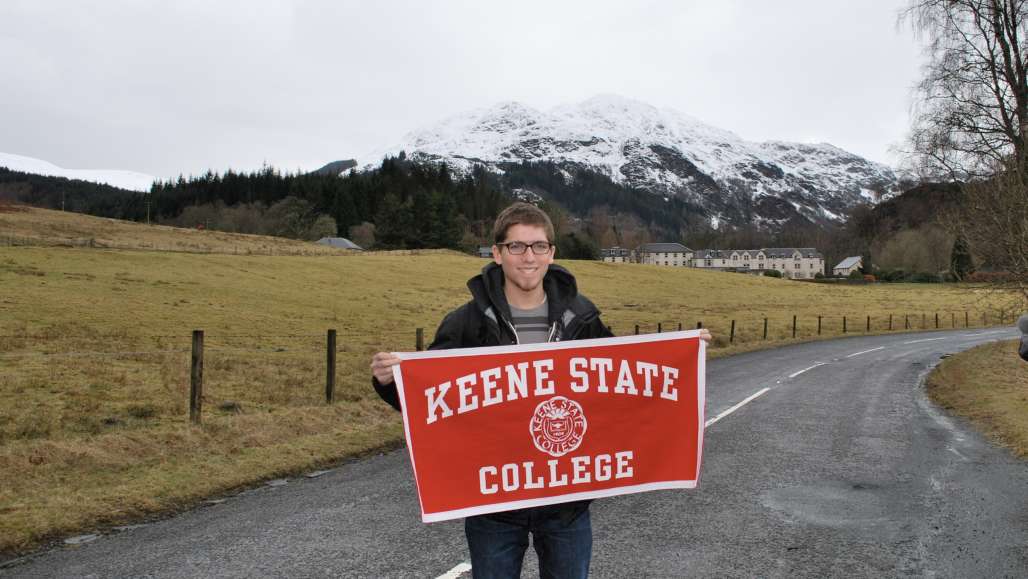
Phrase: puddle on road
pixel 857 507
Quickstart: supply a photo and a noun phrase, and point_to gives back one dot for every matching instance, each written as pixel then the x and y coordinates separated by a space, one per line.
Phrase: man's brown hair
pixel 523 214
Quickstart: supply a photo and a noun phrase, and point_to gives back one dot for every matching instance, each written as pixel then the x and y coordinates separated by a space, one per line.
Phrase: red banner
pixel 509 427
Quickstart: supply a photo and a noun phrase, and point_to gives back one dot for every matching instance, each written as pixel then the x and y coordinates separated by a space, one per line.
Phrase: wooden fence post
pixel 985 319
pixel 419 339
pixel 637 329
pixel 906 321
pixel 936 320
pixel 923 318
pixel 330 367
pixel 953 320
pixel 819 325
pixel 765 328
pixel 196 379
pixel 731 335
pixel 890 322
pixel 679 326
pixel 699 325
pixel 966 318
pixel 794 326
pixel 868 324
pixel 658 327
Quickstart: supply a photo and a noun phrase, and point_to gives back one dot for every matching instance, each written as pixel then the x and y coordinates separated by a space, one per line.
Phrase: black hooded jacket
pixel 486 319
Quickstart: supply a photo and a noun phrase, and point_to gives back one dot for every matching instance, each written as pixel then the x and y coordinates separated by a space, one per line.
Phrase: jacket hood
pixel 487 290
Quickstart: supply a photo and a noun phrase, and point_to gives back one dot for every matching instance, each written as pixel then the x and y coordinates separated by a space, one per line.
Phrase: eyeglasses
pixel 519 247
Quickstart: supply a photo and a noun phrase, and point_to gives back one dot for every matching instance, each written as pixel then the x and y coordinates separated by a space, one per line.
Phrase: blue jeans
pixel 561 534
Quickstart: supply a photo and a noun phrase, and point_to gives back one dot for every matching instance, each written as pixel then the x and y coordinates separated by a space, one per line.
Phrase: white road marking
pixel 956 452
pixel 456 571
pixel 795 374
pixel 866 351
pixel 924 340
pixel 736 407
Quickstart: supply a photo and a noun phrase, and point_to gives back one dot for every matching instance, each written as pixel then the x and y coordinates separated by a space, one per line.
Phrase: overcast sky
pixel 179 87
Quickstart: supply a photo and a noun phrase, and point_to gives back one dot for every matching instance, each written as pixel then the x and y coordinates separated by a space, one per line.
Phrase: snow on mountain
pixel 661 151
pixel 122 179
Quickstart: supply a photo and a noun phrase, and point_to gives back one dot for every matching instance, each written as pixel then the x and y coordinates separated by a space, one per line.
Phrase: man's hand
pixel 382 366
pixel 705 336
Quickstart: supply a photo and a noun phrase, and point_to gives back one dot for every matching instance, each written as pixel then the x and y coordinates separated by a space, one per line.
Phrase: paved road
pixel 842 468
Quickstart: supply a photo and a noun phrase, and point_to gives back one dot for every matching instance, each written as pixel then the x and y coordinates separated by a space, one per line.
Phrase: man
pixel 520 298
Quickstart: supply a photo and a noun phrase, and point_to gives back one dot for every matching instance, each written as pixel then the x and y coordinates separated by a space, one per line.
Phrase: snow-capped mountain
pixel 122 179
pixel 661 151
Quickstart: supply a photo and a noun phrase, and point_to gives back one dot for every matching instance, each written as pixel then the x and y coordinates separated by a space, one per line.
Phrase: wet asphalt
pixel 843 468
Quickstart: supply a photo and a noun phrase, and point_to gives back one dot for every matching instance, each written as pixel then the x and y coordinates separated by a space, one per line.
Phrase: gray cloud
pixel 180 87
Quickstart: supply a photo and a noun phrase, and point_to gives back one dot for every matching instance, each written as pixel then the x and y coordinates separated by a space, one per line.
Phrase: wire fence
pixel 53 383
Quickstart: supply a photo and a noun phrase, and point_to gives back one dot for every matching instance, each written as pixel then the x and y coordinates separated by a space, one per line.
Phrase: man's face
pixel 524 272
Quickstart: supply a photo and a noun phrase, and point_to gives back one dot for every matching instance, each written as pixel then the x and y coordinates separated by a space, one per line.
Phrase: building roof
pixel 340 242
pixel 769 252
pixel 663 248
pixel 783 252
pixel 849 262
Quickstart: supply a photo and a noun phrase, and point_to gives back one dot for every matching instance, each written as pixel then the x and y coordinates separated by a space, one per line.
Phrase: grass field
pixel 94 356
pixel 988 385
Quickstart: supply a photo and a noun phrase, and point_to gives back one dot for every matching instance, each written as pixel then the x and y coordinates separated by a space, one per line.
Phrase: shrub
pixel 989 277
pixel 772 273
pixel 892 275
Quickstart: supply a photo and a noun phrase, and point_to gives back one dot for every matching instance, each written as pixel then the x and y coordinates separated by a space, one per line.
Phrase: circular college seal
pixel 558 426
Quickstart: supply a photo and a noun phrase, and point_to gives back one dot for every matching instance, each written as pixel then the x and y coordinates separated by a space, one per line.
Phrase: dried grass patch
pixel 988 385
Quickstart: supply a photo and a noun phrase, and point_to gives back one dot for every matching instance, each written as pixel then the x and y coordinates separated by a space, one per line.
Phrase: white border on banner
pixel 541 346
pixel 701 389
pixel 526 503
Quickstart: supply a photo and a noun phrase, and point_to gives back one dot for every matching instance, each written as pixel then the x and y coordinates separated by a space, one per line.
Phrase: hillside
pixel 24 225
pixel 129 180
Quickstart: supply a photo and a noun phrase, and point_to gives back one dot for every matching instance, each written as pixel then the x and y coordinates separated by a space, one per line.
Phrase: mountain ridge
pixel 663 152
pixel 129 180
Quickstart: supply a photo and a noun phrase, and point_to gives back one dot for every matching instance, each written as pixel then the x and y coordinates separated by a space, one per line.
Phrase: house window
pixel 708 262
pixel 796 266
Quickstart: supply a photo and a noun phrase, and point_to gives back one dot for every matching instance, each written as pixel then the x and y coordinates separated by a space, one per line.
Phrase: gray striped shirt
pixel 532 325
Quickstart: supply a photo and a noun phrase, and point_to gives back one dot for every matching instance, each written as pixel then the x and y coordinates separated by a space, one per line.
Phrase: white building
pixel 848 266
pixel 791 262
pixel 670 254
pixel 616 255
